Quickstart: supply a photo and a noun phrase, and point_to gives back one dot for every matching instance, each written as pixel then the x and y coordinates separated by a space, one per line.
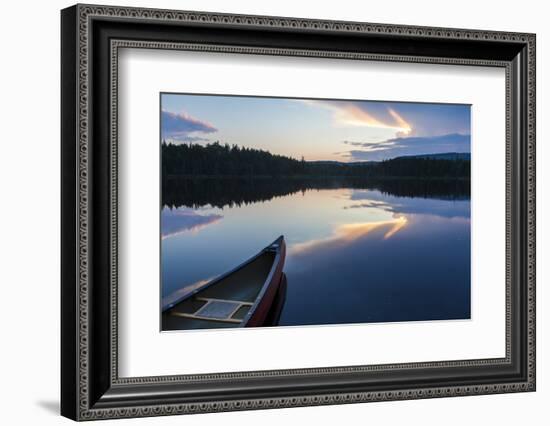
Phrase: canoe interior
pixel 233 295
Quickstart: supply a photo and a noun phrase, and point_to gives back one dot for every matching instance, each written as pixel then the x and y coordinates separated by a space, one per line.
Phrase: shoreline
pixel 373 178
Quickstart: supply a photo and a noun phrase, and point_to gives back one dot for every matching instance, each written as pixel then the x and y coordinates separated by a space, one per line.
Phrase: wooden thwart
pixel 217 310
pixel 197 317
pixel 208 299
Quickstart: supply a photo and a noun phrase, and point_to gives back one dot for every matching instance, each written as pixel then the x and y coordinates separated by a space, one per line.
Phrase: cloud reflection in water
pixel 413 266
pixel 176 221
pixel 345 234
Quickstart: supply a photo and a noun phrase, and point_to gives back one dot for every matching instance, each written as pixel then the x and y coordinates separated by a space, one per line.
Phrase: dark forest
pixel 194 160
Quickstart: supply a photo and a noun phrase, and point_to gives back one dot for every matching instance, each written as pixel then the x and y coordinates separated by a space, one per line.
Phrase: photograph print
pixel 306 212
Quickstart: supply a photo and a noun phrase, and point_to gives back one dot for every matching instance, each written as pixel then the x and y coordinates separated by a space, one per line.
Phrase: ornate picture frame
pixel 91 37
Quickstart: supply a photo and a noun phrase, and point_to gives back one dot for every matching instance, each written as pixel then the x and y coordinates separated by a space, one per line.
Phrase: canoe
pixel 274 314
pixel 242 297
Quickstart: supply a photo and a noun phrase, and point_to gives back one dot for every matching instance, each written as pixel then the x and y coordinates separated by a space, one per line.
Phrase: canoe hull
pixel 258 317
pixel 274 316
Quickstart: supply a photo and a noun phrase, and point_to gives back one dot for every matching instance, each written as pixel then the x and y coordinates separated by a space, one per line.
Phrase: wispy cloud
pixel 181 127
pixel 361 114
pixel 414 145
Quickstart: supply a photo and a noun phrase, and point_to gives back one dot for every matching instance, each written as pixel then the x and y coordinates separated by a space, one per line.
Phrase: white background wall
pixel 29 224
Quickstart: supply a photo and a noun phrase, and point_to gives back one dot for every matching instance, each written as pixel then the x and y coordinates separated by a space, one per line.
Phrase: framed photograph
pixel 263 212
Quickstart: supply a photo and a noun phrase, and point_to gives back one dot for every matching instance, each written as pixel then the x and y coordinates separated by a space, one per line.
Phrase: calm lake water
pixel 356 251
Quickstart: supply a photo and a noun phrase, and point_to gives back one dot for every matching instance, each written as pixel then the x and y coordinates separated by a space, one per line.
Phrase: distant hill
pixel 342 163
pixel 441 156
pixel 438 156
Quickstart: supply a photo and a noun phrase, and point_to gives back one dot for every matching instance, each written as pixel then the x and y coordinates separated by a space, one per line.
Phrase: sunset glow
pixel 348 233
pixel 352 115
pixel 317 129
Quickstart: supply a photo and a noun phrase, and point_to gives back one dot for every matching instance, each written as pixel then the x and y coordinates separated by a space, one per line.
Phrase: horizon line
pixel 189 143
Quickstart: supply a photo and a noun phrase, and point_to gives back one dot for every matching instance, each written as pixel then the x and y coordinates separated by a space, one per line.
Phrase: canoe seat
pixel 217 309
pixel 220 310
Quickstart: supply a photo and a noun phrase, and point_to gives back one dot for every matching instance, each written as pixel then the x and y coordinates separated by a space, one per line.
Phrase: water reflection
pixel 356 252
pixel 176 221
pixel 235 192
pixel 348 233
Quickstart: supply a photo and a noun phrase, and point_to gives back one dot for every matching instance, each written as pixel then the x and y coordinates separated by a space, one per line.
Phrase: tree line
pixel 219 160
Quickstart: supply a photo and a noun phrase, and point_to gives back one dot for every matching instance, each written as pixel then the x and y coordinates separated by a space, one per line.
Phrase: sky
pixel 317 129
